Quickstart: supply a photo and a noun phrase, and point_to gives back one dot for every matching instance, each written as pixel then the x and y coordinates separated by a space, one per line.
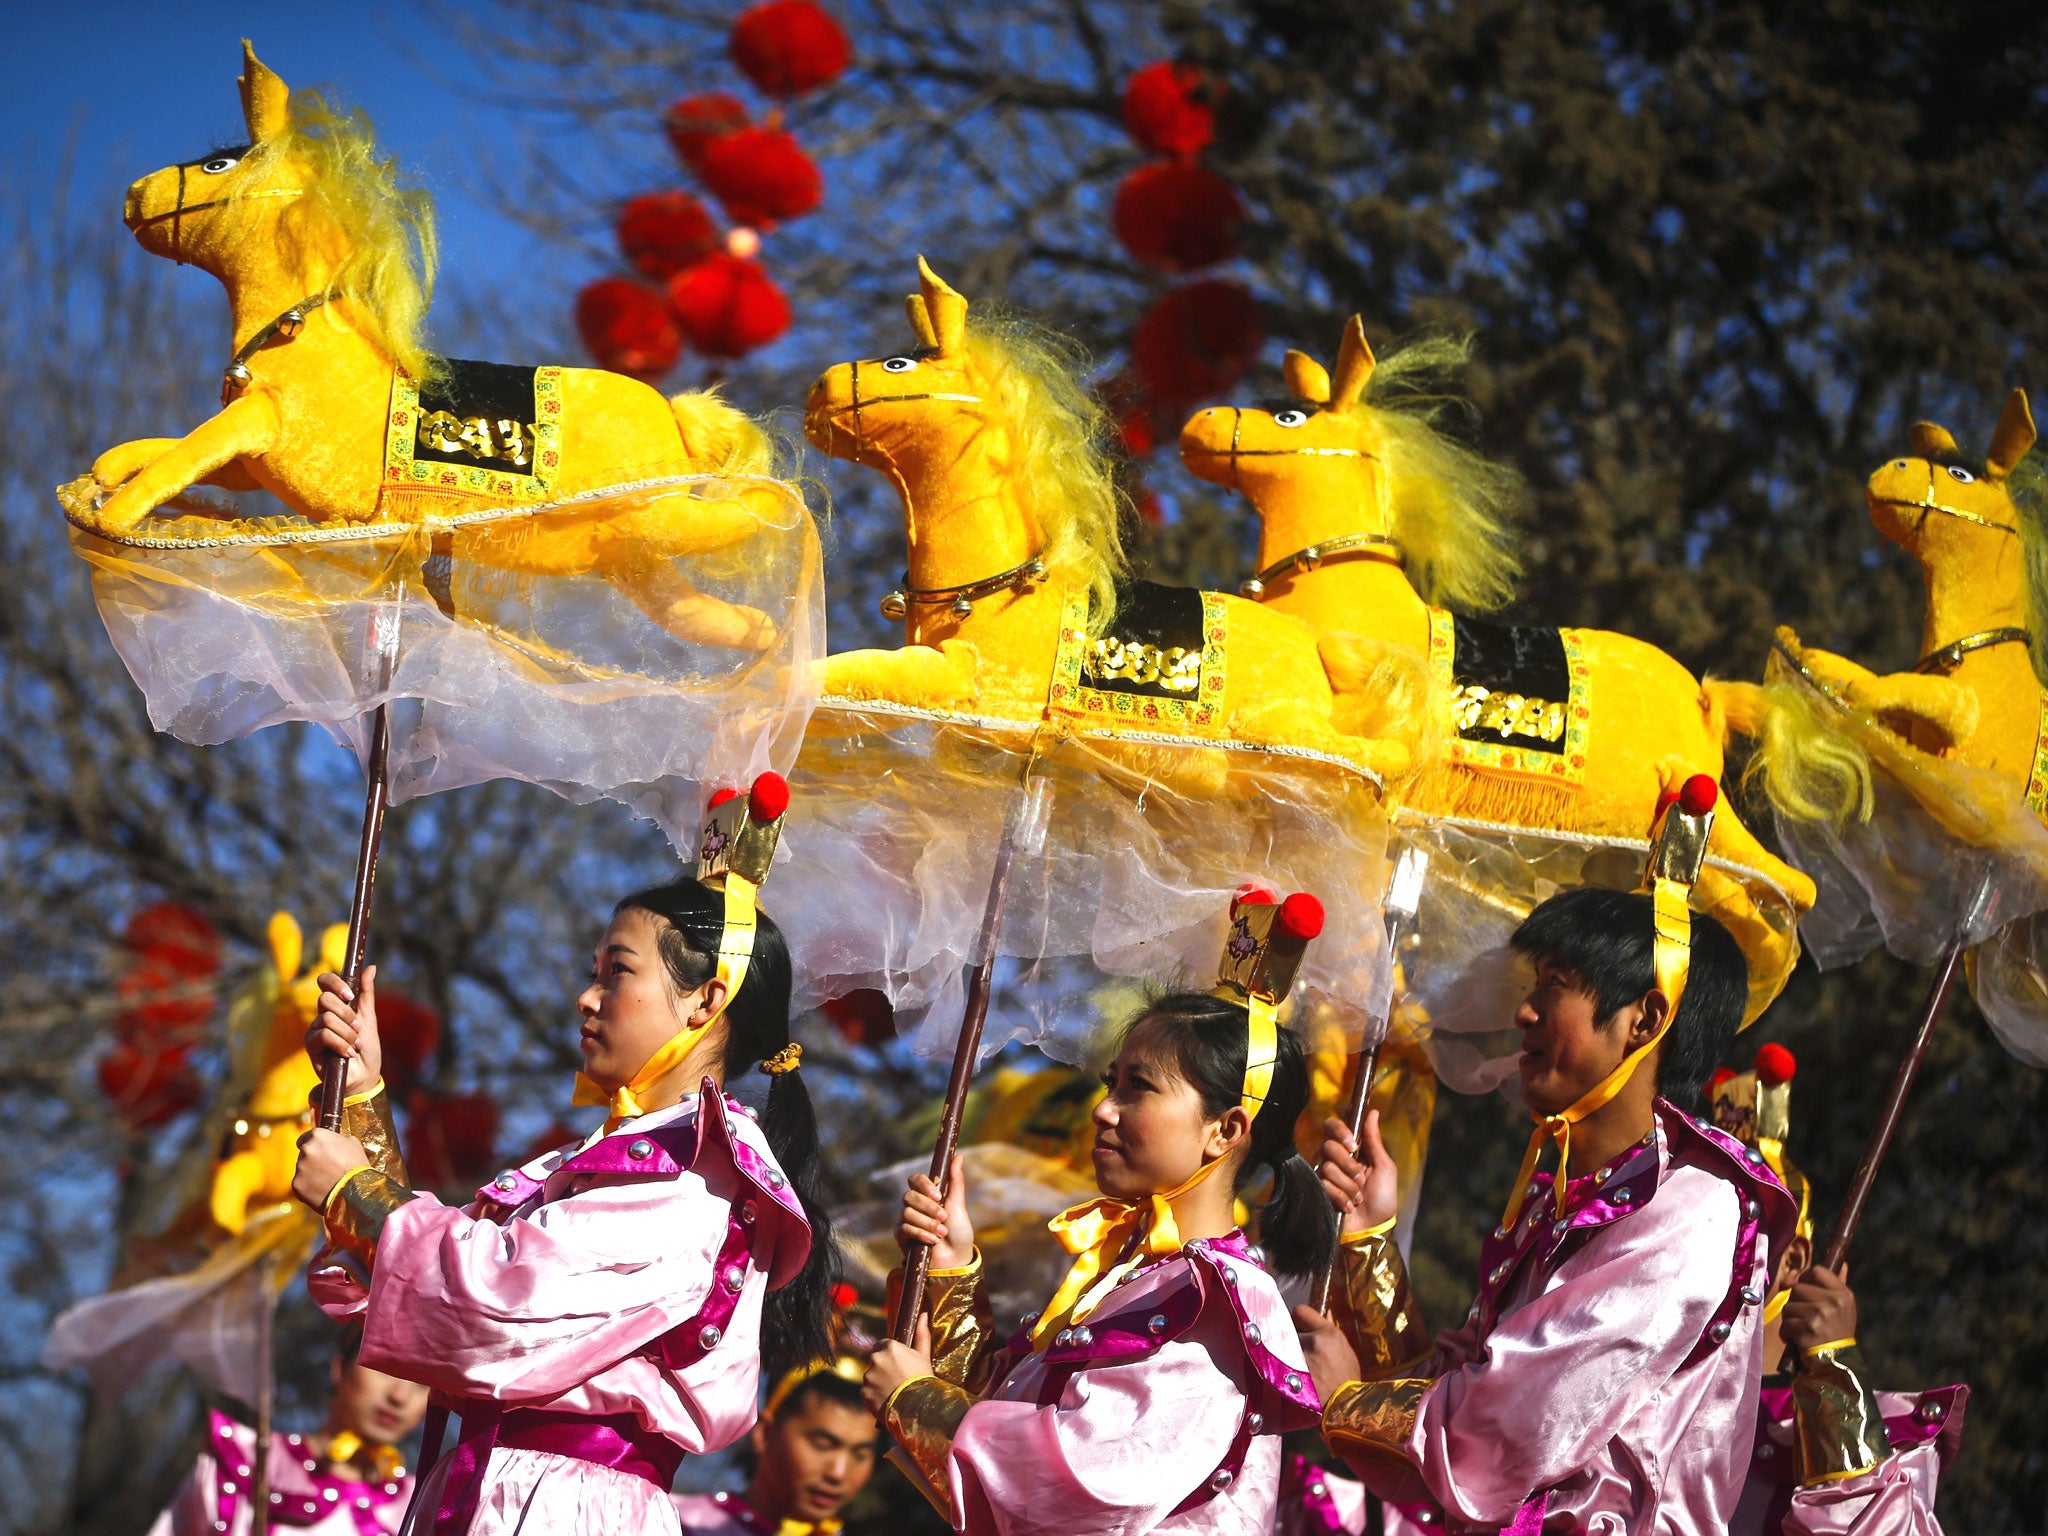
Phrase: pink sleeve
pixel 1567 1370
pixel 1119 1450
pixel 1894 1499
pixel 525 1310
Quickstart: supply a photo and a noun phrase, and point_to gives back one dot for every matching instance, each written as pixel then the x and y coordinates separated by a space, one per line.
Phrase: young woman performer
pixel 1152 1392
pixel 598 1313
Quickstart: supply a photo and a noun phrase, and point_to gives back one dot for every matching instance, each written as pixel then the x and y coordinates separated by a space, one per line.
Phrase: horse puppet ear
pixel 265 98
pixel 2012 438
pixel 1930 440
pixel 946 310
pixel 1355 364
pixel 921 321
pixel 1307 379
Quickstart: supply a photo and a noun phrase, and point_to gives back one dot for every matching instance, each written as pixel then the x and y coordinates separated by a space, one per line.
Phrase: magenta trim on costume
pixel 619 1441
pixel 1528 1519
pixel 1289 1401
pixel 1304 1483
pixel 364 1500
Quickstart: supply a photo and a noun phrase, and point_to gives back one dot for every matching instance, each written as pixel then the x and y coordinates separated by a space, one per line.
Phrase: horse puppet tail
pixel 1806 761
pixel 721 439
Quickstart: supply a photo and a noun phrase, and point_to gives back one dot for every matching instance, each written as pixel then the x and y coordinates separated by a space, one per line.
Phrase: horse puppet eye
pixel 898 364
pixel 1290 419
pixel 219 165
pixel 1957 472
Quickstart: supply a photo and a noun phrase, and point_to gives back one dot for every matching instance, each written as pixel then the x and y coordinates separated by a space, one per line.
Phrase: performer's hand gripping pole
pixel 1404 896
pixel 334 1070
pixel 1023 825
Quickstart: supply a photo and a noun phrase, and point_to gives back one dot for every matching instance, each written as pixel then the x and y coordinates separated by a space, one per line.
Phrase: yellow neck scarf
pixel 1673 960
pixel 385 1460
pixel 735 951
pixel 1096 1232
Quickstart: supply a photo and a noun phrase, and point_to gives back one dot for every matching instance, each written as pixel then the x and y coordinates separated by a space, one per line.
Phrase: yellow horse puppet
pixel 1372 520
pixel 332 403
pixel 1016 604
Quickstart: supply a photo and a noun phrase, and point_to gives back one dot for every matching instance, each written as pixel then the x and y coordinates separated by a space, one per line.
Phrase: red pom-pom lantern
pixel 769 797
pixel 1699 795
pixel 1146 500
pixel 176 938
pixel 158 1004
pixel 554 1135
pixel 147 1087
pixel 1167 109
pixel 663 232
pixel 787 47
pixel 408 1031
pixel 627 328
pixel 728 307
pixel 694 121
pixel 1197 341
pixel 762 176
pixel 451 1138
pixel 863 1017
pixel 1300 916
pixel 1177 216
pixel 1774 1065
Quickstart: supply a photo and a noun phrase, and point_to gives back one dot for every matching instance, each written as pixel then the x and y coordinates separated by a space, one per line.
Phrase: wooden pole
pixel 1023 822
pixel 1363 1066
pixel 259 1487
pixel 334 1070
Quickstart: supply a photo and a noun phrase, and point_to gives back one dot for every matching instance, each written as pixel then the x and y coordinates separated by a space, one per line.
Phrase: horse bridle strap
pixel 1345 546
pixel 1927 503
pixel 896 604
pixel 1945 658
pixel 234 379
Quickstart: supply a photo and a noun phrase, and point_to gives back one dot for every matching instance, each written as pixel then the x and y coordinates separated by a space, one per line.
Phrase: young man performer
pixel 1604 1380
pixel 346 1480
pixel 1831 1457
pixel 814 1450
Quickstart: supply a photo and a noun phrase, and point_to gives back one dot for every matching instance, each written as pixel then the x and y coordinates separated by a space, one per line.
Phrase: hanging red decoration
pixel 762 176
pixel 694 121
pixel 147 1087
pixel 176 937
pixel 863 1017
pixel 1197 341
pixel 787 47
pixel 159 1005
pixel 451 1138
pixel 408 1031
pixel 1177 216
pixel 627 328
pixel 1169 108
pixel 663 232
pixel 1149 510
pixel 728 306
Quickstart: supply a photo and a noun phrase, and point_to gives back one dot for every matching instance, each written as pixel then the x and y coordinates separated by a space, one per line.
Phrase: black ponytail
pixel 1207 1039
pixel 795 1323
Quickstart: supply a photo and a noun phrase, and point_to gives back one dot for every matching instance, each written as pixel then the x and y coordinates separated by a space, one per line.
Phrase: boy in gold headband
pixel 1831 1457
pixel 1605 1377
pixel 814 1451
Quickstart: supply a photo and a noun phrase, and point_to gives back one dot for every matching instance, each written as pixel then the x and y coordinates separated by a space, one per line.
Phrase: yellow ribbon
pixel 386 1460
pixel 1262 1049
pixel 1672 958
pixel 735 952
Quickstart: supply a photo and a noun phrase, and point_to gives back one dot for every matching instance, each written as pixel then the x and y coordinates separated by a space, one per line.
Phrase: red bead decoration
pixel 728 307
pixel 627 328
pixel 663 232
pixel 1177 216
pixel 762 176
pixel 1301 916
pixel 1257 892
pixel 1721 1075
pixel 1168 109
pixel 720 797
pixel 769 797
pixel 694 121
pixel 1699 795
pixel 1775 1065
pixel 1197 341
pixel 788 47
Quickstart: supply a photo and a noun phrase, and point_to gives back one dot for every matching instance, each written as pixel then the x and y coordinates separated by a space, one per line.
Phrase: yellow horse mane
pixel 1061 434
pixel 1453 509
pixel 355 211
pixel 2027 485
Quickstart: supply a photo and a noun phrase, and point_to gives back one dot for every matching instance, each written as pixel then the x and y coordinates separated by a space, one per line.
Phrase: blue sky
pixel 127 87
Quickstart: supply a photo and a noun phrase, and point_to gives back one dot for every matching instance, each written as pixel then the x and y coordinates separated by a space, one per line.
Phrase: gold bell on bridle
pixel 1309 558
pixel 962 605
pixel 234 382
pixel 290 323
pixel 895 606
pixel 1252 588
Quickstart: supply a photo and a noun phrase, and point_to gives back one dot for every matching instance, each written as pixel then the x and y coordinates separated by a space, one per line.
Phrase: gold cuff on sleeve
pixel 367 1117
pixel 1368 1423
pixel 1375 1306
pixel 922 1416
pixel 963 1326
pixel 1838 1431
pixel 358 1206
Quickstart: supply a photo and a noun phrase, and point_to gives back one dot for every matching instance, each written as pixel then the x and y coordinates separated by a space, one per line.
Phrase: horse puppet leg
pixel 920 676
pixel 662 592
pixel 243 429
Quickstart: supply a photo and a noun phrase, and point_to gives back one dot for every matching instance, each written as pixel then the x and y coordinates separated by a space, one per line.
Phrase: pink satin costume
pixel 1835 1459
pixel 1162 1411
pixel 306 1497
pixel 1605 1381
pixel 593 1317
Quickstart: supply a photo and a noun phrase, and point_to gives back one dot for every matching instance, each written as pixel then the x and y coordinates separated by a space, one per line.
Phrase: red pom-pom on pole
pixel 769 797
pixel 1774 1065
pixel 1255 892
pixel 720 797
pixel 787 47
pixel 1721 1075
pixel 1167 109
pixel 1301 916
pixel 1699 795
